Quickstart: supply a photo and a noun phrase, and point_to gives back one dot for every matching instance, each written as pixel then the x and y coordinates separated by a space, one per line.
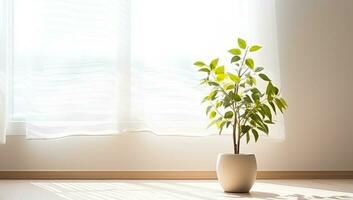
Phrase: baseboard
pixel 127 175
pixel 305 175
pixel 168 175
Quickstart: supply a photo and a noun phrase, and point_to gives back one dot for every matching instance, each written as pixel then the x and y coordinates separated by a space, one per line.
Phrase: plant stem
pixel 238 146
pixel 242 62
pixel 234 136
pixel 216 109
pixel 236 126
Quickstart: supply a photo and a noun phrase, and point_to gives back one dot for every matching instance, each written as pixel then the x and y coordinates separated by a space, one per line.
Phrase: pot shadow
pixel 219 194
pixel 262 195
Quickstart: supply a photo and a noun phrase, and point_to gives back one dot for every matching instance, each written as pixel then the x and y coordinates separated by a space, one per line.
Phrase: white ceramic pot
pixel 236 172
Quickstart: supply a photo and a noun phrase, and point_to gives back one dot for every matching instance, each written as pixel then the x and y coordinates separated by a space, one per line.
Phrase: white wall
pixel 315 43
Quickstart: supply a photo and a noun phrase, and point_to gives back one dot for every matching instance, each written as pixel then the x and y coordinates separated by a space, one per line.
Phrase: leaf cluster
pixel 235 99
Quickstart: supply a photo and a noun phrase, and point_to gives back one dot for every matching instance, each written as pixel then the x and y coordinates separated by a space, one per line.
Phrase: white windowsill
pixel 18 128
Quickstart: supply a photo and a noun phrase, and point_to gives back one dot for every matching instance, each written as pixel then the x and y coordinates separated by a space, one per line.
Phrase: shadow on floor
pixel 273 196
pixel 343 185
pixel 178 190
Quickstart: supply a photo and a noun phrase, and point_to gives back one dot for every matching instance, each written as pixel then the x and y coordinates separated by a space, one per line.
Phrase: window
pixel 106 66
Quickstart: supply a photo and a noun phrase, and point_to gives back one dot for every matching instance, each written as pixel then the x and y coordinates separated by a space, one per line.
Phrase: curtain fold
pixel 4 62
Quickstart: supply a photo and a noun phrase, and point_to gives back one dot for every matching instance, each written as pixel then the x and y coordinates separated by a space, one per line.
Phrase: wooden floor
pixel 171 190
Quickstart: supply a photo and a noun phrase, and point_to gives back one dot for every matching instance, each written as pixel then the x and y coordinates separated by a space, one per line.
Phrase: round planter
pixel 236 172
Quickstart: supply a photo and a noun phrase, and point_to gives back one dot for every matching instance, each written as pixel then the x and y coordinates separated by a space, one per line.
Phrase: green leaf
pixel 219 104
pixel 269 122
pixel 262 113
pixel 220 77
pixel 228 123
pixel 256 118
pixel 263 128
pixel 229 114
pixel 247 99
pixel 264 77
pixel 214 122
pixel 269 89
pixel 214 63
pixel 275 90
pixel 255 48
pixel 261 125
pixel 256 94
pixel 199 63
pixel 247 138
pixel 229 86
pixel 208 109
pixel 251 81
pixel 220 125
pixel 220 130
pixel 256 134
pixel 250 63
pixel 253 123
pixel 237 97
pixel 212 114
pixel 226 101
pixel 266 128
pixel 267 111
pixel 203 81
pixel 279 104
pixel 234 77
pixel 284 102
pixel 255 90
pixel 235 51
pixel 245 128
pixel 205 99
pixel 259 69
pixel 273 107
pixel 235 59
pixel 212 95
pixel 241 43
pixel 219 70
pixel 212 83
pixel 255 97
pixel 204 70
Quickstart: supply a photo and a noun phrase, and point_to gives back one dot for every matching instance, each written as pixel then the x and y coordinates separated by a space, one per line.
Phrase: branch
pixel 222 90
pixel 217 110
pixel 242 62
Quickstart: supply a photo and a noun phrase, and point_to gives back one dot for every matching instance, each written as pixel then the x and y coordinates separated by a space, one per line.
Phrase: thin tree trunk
pixel 238 146
pixel 234 137
pixel 234 142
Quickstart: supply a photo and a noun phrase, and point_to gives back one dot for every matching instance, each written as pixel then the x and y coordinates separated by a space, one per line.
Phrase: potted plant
pixel 235 101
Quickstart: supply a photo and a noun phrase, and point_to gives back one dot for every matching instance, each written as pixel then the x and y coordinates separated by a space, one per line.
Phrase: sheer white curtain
pixel 4 63
pixel 107 66
pixel 168 36
pixel 68 58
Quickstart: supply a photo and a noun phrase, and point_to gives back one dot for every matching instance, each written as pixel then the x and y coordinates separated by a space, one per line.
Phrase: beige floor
pixel 171 190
